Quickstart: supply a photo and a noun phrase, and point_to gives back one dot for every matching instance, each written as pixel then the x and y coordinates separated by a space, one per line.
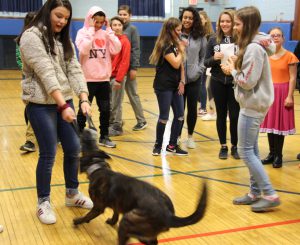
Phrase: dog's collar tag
pixel 93 168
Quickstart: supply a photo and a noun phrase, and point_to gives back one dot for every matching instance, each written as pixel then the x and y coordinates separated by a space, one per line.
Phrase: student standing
pixel 52 73
pixel 222 86
pixel 120 65
pixel 168 55
pixel 255 94
pixel 29 145
pixel 193 66
pixel 131 32
pixel 280 119
pixel 208 32
pixel 96 48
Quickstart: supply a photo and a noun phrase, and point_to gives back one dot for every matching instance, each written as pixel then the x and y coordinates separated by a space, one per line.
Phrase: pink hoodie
pixel 95 49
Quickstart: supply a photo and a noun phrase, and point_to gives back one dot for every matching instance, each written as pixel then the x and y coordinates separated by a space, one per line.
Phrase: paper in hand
pixel 228 50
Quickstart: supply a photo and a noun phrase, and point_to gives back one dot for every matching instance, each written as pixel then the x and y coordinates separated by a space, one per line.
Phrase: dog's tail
pixel 196 216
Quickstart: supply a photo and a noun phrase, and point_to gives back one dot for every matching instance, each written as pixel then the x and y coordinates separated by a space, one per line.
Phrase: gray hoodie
pixel 195 54
pixel 253 85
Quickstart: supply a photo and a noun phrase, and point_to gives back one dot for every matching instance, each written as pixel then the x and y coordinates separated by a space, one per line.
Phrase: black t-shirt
pixel 167 77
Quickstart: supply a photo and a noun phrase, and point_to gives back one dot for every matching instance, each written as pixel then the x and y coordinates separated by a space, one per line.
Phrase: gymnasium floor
pixel 179 177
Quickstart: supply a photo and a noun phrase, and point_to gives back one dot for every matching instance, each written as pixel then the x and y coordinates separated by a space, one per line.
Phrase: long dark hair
pixel 251 19
pixel 42 21
pixel 197 27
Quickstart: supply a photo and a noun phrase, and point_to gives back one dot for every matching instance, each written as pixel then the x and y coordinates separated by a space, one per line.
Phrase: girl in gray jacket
pixel 194 65
pixel 254 92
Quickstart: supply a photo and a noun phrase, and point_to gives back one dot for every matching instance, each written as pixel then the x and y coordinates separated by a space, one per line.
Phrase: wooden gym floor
pixel 179 177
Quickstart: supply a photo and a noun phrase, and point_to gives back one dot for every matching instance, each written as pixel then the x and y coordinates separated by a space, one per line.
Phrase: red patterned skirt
pixel 279 119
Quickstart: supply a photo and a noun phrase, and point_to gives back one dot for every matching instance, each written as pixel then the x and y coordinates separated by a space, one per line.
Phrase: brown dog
pixel 147 211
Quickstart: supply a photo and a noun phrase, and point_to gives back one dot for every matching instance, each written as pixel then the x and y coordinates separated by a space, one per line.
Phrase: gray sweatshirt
pixel 134 38
pixel 195 54
pixel 253 85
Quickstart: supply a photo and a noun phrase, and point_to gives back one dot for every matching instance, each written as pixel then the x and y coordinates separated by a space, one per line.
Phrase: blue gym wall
pixel 274 13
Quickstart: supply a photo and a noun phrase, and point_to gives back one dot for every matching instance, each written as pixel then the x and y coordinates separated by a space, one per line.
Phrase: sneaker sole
pixel 27 149
pixel 223 158
pixel 177 154
pixel 108 146
pixel 265 209
pixel 244 203
pixel 155 154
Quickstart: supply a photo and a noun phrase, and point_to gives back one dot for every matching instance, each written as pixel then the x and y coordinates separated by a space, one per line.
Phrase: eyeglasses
pixel 276 35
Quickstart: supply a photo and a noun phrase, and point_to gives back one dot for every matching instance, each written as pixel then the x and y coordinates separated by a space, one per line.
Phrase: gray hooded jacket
pixel 253 84
pixel 195 54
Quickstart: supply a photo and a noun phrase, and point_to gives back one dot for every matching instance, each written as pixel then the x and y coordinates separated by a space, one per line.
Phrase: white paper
pixel 228 50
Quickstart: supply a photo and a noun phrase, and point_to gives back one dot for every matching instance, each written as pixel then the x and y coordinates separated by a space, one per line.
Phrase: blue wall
pixel 12 27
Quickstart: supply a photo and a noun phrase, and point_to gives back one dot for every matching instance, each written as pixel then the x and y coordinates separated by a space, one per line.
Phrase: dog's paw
pixel 77 221
pixel 110 222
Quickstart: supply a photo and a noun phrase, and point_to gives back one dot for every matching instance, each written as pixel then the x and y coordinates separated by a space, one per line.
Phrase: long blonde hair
pixel 208 28
pixel 220 33
pixel 165 39
pixel 251 19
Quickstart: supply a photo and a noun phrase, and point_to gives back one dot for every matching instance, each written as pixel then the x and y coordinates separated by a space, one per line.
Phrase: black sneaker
pixel 140 126
pixel 223 154
pixel 156 150
pixel 234 152
pixel 176 150
pixel 28 146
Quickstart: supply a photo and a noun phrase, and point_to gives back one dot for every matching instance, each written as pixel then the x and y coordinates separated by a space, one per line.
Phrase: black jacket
pixel 216 71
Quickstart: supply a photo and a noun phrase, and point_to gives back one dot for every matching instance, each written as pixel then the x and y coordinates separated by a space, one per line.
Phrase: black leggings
pixel 191 94
pixel 224 99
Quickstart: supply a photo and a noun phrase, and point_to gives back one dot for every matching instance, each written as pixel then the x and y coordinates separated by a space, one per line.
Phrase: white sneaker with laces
pixel 190 143
pixel 45 213
pixel 79 200
pixel 209 117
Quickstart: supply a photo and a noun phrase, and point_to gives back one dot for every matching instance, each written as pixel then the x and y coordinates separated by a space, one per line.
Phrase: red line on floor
pixel 213 233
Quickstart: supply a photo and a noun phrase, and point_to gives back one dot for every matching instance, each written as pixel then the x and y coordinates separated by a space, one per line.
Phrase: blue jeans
pixel 248 130
pixel 203 92
pixel 167 99
pixel 47 125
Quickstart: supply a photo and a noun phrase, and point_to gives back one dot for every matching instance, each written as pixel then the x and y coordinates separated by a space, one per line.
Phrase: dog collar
pixel 91 169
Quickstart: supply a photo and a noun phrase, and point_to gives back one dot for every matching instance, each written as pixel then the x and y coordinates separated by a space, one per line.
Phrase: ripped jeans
pixel 167 99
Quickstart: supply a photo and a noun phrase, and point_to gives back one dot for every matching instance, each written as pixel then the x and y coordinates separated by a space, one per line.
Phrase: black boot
pixel 277 162
pixel 269 159
pixel 278 142
pixel 298 156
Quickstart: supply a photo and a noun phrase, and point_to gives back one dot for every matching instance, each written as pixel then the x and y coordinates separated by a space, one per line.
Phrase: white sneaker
pixel 209 117
pixel 45 213
pixel 190 143
pixel 79 200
